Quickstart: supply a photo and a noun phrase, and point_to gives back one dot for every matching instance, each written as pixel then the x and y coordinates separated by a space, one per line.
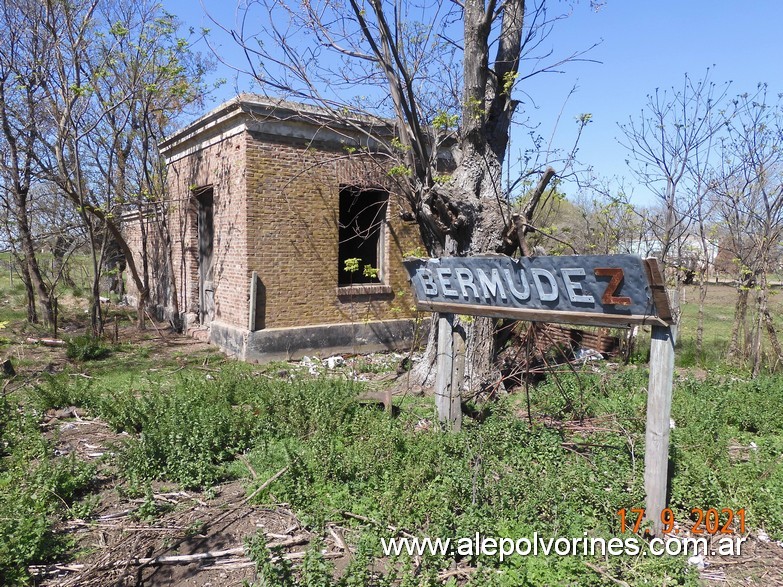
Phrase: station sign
pixel 601 290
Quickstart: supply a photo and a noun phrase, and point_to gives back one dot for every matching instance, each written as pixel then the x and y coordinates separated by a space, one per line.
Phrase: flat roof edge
pixel 252 106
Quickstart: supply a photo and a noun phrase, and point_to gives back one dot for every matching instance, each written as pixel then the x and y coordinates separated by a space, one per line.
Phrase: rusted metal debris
pixel 533 349
pixel 576 338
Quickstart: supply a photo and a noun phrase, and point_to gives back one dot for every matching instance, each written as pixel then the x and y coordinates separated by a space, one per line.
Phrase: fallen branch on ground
pixel 377 523
pixel 265 484
pixel 183 559
pixel 464 572
pixel 45 341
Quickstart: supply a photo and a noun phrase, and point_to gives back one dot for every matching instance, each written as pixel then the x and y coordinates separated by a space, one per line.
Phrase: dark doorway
pixel 206 234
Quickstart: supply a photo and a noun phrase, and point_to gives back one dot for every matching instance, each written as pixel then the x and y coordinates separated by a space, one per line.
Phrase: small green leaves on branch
pixel 509 79
pixel 352 265
pixel 399 171
pixel 444 121
pixel 119 30
pixel 584 118
pixel 397 144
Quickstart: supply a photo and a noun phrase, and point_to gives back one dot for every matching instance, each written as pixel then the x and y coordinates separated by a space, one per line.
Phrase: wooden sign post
pixel 447 393
pixel 618 291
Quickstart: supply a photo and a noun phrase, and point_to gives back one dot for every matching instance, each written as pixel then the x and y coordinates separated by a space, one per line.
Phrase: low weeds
pixel 728 448
pixel 191 431
pixel 565 475
pixel 86 348
pixel 187 434
pixel 35 490
pixel 54 392
pixel 504 478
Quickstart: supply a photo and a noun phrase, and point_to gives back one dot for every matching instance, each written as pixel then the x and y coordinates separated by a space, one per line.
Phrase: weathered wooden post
pixel 659 406
pixel 447 394
pixel 457 374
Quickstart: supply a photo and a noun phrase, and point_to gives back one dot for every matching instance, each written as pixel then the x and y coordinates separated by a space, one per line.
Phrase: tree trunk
pixel 773 339
pixel 164 234
pixel 700 319
pixel 469 215
pixel 33 269
pixel 32 312
pixel 765 323
pixel 484 219
pixel 473 208
pixel 96 320
pixel 59 267
pixel 756 352
pixel 739 328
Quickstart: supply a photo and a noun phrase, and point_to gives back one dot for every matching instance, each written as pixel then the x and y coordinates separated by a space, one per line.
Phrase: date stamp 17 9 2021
pixel 705 521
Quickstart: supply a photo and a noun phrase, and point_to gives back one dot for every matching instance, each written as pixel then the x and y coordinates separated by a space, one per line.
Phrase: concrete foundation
pixel 276 344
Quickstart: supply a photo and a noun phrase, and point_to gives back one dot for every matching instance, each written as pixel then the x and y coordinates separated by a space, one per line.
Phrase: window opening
pixel 361 235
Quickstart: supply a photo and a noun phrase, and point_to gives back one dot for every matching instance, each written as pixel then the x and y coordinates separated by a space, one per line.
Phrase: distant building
pixel 688 253
pixel 268 200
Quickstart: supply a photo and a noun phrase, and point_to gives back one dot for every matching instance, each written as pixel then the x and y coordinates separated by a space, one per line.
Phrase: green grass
pixel 73 299
pixel 502 477
pixel 718 322
pixel 499 477
pixel 727 447
pixel 35 491
pixel 13 300
pixel 39 489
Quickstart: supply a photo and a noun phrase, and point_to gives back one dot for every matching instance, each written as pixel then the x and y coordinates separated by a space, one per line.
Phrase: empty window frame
pixel 362 235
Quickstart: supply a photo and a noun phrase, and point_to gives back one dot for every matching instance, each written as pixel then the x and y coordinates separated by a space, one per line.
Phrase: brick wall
pixel 293 208
pixel 221 167
pixel 276 207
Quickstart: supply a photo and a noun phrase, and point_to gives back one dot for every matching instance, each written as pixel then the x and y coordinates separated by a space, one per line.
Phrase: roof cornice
pixel 275 119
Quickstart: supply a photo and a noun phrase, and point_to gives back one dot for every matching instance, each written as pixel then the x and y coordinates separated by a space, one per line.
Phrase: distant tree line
pixel 87 89
pixel 714 164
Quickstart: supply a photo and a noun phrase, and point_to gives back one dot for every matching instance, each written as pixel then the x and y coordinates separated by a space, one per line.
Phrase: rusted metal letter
pixel 616 273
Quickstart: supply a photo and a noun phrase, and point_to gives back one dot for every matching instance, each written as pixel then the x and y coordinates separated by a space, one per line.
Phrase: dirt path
pixel 171 537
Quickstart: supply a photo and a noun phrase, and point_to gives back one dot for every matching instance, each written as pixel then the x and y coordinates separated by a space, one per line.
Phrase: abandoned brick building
pixel 267 200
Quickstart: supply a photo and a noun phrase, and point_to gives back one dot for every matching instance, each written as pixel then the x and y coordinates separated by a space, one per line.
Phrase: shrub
pixel 61 391
pixel 86 348
pixel 186 434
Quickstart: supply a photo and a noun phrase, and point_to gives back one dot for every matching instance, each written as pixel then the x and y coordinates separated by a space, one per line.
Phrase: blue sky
pixel 643 46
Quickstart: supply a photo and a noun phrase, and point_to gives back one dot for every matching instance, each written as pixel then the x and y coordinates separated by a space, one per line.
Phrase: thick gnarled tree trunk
pixel 469 215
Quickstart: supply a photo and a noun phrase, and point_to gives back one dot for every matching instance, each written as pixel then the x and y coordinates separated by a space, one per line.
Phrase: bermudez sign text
pixel 615 285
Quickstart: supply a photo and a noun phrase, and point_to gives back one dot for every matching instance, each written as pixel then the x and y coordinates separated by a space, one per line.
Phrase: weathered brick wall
pixel 276 209
pixel 222 167
pixel 293 208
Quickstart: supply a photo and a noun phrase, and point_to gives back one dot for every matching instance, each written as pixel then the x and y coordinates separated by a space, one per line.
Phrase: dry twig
pixel 606 575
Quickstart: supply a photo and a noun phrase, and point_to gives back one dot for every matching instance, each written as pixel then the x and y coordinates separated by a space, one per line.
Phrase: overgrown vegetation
pixel 86 348
pixel 500 477
pixel 563 470
pixel 35 488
